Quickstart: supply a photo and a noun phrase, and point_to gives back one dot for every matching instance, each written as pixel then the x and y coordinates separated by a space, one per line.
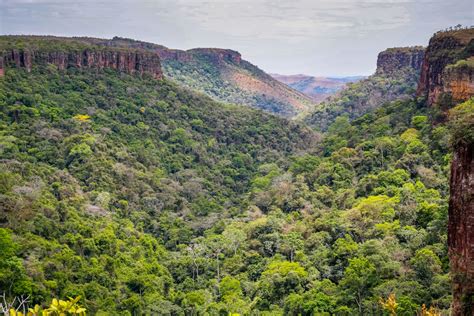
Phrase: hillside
pixel 221 74
pixel 142 197
pixel 396 78
pixel 318 88
pixel 101 169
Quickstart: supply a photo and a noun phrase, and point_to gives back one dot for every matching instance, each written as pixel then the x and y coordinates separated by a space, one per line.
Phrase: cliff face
pixel 393 60
pixel 447 74
pixel 437 79
pixel 458 82
pixel 461 229
pixel 127 61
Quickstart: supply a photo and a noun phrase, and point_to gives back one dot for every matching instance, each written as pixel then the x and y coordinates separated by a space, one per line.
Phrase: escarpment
pixel 77 55
pixel 395 59
pixel 447 80
pixel 447 70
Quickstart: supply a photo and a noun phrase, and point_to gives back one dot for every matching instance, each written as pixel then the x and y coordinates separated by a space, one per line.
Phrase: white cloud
pixel 283 36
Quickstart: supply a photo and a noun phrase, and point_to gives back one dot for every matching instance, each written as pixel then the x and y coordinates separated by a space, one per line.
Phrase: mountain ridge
pixel 317 87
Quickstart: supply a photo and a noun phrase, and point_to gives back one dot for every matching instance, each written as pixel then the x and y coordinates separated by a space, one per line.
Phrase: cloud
pixel 282 36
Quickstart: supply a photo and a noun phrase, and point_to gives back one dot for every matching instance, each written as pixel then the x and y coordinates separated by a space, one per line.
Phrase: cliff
pixel 461 229
pixel 214 55
pixel 446 80
pixel 26 52
pixel 393 60
pixel 447 71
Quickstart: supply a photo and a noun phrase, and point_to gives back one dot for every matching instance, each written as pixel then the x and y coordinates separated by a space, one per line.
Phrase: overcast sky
pixel 317 37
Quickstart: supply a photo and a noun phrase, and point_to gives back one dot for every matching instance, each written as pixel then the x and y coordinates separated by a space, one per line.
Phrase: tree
pixel 234 237
pixel 359 277
pixel 426 265
pixel 291 243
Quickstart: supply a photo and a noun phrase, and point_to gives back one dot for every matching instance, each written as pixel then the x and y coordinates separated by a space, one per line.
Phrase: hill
pixel 318 88
pixel 396 77
pixel 221 74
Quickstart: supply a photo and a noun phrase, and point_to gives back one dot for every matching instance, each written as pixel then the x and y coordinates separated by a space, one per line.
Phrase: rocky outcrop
pixel 217 55
pixel 436 79
pixel 127 61
pixel 458 83
pixel 461 229
pixel 393 60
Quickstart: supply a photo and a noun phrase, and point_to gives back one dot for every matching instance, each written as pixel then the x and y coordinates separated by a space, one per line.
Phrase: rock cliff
pixel 461 229
pixel 446 80
pixel 393 60
pixel 447 69
pixel 66 54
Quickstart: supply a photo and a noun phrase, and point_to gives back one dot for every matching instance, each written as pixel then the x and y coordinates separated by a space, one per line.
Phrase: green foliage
pixel 164 201
pixel 461 122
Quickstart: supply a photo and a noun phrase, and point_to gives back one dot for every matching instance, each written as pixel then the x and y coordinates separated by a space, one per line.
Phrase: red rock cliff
pixel 128 61
pixel 447 74
pixel 461 229
pixel 439 75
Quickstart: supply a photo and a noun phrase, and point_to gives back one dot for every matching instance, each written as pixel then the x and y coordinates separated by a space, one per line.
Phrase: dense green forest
pixel 144 198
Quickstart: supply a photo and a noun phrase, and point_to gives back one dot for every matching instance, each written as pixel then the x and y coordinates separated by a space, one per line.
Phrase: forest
pixel 139 197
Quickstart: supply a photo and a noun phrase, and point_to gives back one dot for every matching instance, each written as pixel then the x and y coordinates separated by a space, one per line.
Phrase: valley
pixel 318 88
pixel 151 181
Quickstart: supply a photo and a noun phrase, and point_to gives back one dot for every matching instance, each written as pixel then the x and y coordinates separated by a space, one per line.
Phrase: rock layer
pixel 436 78
pixel 458 82
pixel 461 229
pixel 394 59
pixel 127 61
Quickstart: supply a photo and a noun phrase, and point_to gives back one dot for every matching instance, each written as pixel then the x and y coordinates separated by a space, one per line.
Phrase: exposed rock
pixel 448 71
pixel 217 55
pixel 223 75
pixel 446 48
pixel 461 229
pixel 393 60
pixel 458 82
pixel 129 61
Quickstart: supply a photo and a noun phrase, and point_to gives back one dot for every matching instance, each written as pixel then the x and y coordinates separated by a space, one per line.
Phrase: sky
pixel 315 37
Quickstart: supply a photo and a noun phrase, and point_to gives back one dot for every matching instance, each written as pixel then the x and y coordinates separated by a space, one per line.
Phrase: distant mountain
pixel 396 77
pixel 318 88
pixel 223 75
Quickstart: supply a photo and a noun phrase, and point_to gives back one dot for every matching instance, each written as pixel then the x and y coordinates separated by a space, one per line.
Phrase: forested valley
pixel 143 197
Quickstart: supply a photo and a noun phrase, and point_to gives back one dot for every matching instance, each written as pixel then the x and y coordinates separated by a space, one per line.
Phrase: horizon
pixel 318 38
